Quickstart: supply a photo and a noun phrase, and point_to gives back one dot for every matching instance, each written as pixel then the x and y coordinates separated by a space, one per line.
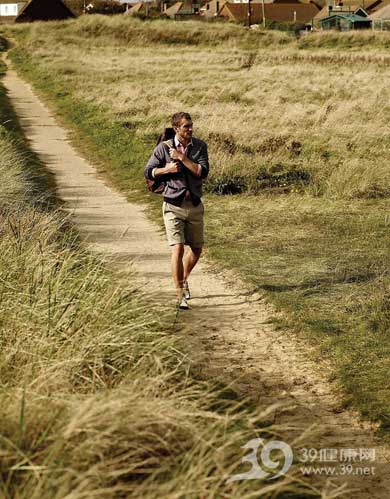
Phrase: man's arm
pixel 172 167
pixel 157 166
pixel 203 161
pixel 176 155
pixel 200 169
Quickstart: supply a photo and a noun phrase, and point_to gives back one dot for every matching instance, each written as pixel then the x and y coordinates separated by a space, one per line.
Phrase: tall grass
pixel 279 115
pixel 123 30
pixel 96 399
pixel 305 129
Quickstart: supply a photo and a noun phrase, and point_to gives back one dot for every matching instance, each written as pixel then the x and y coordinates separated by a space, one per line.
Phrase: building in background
pixel 343 9
pixel 296 12
pixel 130 4
pixel 212 8
pixel 10 10
pixel 180 11
pixel 44 10
pixel 381 18
pixel 140 8
pixel 345 22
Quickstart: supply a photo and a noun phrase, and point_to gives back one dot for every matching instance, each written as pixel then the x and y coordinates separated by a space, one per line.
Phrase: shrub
pixel 3 44
pixel 290 27
pixel 227 184
pixel 284 180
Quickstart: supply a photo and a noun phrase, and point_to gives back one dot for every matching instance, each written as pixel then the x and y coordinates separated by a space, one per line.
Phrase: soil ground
pixel 229 332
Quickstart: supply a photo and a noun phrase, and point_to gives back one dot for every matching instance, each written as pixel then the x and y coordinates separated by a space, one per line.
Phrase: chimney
pixel 187 5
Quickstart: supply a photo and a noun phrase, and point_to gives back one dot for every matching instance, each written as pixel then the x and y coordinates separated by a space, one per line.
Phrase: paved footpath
pixel 228 329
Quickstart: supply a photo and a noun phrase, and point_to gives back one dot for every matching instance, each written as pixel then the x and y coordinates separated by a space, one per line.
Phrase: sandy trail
pixel 230 337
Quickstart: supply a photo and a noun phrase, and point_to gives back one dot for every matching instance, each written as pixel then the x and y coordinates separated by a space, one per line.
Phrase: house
pixel 330 10
pixel 9 10
pixel 376 5
pixel 345 22
pixel 359 7
pixel 381 18
pixel 44 10
pixel 279 12
pixel 172 10
pixel 368 5
pixel 211 9
pixel 183 10
pixel 138 8
pixel 129 4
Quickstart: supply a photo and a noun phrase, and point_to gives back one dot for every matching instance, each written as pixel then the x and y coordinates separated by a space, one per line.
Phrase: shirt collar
pixel 178 143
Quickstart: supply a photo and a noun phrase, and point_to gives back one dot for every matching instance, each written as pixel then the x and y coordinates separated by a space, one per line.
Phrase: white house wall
pixel 10 9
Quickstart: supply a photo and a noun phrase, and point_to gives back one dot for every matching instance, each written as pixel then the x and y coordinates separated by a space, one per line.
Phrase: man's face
pixel 184 130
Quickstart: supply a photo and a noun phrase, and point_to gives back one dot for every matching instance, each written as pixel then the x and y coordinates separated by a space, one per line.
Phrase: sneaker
pixel 187 294
pixel 183 305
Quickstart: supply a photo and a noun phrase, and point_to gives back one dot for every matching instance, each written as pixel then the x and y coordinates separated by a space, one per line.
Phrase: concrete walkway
pixel 228 330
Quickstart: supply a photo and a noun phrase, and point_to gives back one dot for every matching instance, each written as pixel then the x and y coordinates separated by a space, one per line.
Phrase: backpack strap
pixel 169 143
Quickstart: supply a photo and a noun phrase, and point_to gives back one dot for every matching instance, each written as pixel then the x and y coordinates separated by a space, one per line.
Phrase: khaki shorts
pixel 184 224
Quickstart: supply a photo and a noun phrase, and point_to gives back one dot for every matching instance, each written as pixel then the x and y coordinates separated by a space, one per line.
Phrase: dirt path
pixel 229 334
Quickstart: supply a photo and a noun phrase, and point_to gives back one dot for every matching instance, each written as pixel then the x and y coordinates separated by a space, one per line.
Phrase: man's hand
pixel 190 165
pixel 175 154
pixel 172 167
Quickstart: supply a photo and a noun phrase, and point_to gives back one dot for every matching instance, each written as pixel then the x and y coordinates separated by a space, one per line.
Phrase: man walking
pixel 182 163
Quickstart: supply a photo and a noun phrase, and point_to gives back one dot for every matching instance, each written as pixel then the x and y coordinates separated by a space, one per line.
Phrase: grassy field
pixel 298 127
pixel 96 398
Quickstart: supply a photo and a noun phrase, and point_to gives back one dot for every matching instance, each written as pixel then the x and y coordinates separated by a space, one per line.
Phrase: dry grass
pixel 96 399
pixel 308 118
pixel 262 111
pixel 12 179
pixel 280 116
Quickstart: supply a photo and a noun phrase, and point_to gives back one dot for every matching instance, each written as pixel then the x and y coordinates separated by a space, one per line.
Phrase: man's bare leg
pixel 177 268
pixel 190 260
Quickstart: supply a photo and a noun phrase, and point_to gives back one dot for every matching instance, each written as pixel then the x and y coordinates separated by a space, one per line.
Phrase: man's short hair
pixel 177 117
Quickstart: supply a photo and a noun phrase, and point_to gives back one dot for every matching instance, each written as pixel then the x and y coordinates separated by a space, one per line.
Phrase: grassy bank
pixel 279 114
pixel 290 127
pixel 96 399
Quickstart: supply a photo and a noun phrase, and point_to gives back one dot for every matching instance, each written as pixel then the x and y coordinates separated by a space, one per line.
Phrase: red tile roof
pixel 279 12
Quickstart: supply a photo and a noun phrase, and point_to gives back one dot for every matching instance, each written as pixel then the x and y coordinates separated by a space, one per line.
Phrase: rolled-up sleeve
pixel 156 160
pixel 203 161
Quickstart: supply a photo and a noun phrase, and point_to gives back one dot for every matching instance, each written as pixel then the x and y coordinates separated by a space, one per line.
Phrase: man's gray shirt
pixel 178 183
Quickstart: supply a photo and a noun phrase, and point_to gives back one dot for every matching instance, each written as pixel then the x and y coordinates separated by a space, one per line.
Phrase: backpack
pixel 157 185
